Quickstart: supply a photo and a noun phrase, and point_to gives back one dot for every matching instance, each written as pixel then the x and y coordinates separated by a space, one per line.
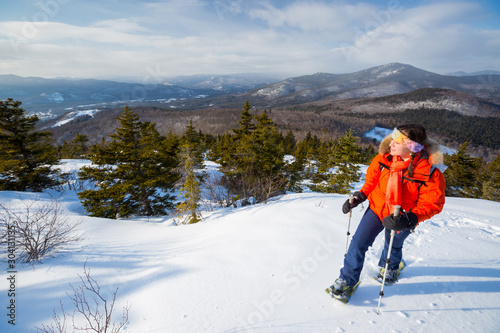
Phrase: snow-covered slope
pixel 264 268
pixel 75 116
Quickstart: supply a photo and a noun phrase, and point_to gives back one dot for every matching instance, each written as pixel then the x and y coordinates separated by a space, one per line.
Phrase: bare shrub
pixel 58 324
pixel 40 228
pixel 97 312
pixel 269 185
pixel 215 193
pixel 91 308
pixel 253 185
pixel 74 183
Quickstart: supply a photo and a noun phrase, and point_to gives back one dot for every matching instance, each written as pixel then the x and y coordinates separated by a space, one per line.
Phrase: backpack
pixel 420 182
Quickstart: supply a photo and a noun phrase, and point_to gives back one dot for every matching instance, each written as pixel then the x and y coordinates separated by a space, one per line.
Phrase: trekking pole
pixel 397 208
pixel 351 199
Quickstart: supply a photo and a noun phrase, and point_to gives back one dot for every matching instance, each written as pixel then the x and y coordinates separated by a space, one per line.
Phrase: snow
pixel 264 268
pixel 72 115
pixel 378 133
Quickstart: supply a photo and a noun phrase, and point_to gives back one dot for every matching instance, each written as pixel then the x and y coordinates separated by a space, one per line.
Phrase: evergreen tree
pixel 77 148
pixel 222 149
pixel 253 159
pixel 246 122
pixel 289 144
pixel 462 174
pixel 188 208
pixel 491 182
pixel 193 141
pixel 345 157
pixel 323 158
pixel 306 155
pixel 368 154
pixel 261 146
pixel 310 147
pixel 28 156
pixel 133 173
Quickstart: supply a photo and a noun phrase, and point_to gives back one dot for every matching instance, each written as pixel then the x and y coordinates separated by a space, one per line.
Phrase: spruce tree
pixel 222 149
pixel 491 181
pixel 188 208
pixel 368 154
pixel 133 173
pixel 194 141
pixel 302 157
pixel 28 155
pixel 462 174
pixel 289 144
pixel 309 148
pixel 323 161
pixel 344 157
pixel 246 122
pixel 264 143
pixel 254 165
pixel 77 148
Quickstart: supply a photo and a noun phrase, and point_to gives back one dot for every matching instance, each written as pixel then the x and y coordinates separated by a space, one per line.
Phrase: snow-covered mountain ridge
pixel 384 80
pixel 264 268
pixel 56 96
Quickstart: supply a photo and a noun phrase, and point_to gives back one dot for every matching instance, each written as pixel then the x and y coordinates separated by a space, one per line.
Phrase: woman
pixel 403 174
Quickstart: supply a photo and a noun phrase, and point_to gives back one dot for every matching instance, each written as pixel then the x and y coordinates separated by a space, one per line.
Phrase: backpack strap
pixel 383 166
pixel 420 182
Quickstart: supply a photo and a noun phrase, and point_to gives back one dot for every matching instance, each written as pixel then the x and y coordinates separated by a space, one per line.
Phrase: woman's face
pixel 398 149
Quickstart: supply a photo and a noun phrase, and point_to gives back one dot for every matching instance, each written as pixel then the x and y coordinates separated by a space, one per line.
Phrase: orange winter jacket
pixel 423 193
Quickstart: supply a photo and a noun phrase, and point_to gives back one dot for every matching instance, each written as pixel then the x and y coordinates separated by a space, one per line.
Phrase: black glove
pixel 400 222
pixel 357 198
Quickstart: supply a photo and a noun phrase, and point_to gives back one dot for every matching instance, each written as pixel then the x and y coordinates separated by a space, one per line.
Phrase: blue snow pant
pixel 368 229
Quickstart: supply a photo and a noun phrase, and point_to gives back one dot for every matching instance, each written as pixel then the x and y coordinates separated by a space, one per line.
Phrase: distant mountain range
pixel 390 79
pixel 455 109
pixel 461 73
pixel 225 83
pixel 54 97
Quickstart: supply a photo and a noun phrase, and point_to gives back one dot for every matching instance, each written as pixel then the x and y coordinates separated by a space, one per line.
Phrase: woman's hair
pixel 417 133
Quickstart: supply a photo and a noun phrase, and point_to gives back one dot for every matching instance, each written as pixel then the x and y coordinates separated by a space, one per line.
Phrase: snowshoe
pixel 340 291
pixel 392 276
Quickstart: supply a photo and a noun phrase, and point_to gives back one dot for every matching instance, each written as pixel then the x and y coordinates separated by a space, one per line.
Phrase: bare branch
pixel 58 324
pixel 97 311
pixel 41 228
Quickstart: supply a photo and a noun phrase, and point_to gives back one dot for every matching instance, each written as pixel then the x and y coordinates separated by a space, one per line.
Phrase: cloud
pixel 234 36
pixel 313 16
pixel 435 37
pixel 128 25
pixel 22 33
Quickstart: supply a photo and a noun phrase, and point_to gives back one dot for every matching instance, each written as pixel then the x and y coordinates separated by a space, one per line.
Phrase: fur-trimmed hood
pixel 432 147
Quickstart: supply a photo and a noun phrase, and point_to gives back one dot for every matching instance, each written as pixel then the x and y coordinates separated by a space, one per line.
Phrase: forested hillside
pixel 451 117
pixel 449 126
pixel 256 158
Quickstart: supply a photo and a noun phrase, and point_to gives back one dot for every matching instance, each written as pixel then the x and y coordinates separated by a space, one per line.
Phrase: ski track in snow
pixel 264 268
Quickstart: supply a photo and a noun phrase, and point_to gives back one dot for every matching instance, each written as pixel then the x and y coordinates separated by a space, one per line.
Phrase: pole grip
pixel 397 209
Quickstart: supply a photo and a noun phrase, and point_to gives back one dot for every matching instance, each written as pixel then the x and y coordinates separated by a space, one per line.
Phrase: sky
pixel 148 41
